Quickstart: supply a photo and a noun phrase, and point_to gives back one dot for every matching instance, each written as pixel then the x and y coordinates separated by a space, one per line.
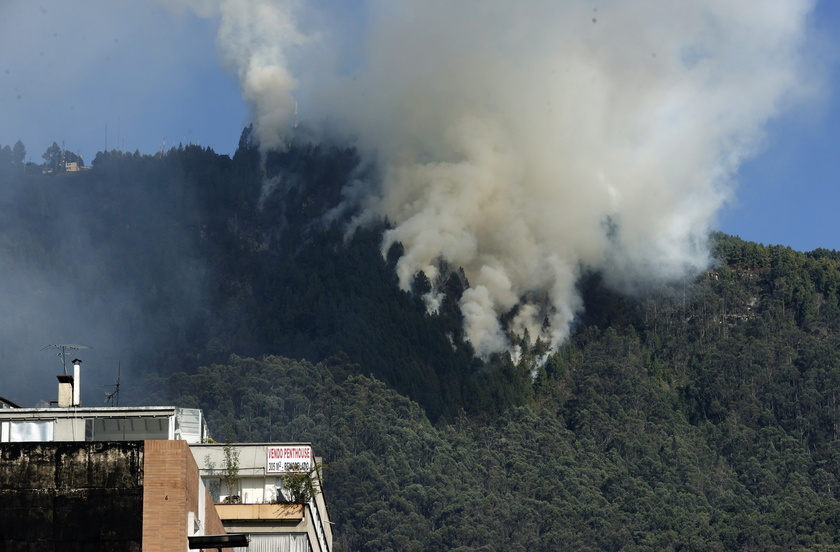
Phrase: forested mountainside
pixel 699 415
pixel 186 258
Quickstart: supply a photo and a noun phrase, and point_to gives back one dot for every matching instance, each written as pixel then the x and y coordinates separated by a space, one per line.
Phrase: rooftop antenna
pixel 296 115
pixel 64 350
pixel 113 398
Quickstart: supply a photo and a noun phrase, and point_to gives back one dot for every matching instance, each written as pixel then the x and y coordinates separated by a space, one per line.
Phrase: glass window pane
pixel 31 431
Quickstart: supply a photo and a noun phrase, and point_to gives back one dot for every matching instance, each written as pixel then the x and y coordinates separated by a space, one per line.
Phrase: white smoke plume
pixel 525 141
pixel 254 39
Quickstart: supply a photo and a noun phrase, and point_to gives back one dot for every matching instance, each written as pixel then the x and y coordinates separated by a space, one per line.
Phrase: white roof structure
pixel 102 424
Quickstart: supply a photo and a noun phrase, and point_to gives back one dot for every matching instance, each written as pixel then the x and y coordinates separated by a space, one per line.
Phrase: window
pixel 39 430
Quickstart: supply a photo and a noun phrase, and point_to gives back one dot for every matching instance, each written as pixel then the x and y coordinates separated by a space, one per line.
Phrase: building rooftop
pixel 103 424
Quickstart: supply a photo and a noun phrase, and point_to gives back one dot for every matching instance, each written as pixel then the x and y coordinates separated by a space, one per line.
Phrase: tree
pixel 301 485
pixel 5 158
pixel 19 155
pixel 52 157
pixel 231 467
pixel 246 139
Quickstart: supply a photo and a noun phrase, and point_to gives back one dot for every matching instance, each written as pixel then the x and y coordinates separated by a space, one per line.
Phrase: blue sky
pixel 120 74
pixel 130 75
pixel 789 193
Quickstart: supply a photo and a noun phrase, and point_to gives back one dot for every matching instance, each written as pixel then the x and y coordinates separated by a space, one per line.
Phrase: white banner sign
pixel 285 459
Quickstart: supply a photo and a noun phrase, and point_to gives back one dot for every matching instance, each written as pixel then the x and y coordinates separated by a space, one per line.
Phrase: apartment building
pixel 147 479
pixel 273 493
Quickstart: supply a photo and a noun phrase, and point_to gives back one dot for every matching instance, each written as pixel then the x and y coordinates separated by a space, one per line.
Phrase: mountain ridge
pixel 698 414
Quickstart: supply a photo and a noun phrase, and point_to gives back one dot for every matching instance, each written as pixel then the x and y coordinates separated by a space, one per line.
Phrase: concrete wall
pixel 71 496
pixel 128 496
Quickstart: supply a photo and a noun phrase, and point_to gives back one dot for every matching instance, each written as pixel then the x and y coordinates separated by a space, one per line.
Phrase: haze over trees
pixel 698 415
pixel 12 157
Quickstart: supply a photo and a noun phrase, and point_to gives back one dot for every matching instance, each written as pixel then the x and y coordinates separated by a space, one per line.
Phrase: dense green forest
pixel 698 415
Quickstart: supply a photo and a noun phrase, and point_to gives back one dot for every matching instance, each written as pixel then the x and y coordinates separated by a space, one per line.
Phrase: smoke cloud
pixel 526 143
pixel 106 263
pixel 254 39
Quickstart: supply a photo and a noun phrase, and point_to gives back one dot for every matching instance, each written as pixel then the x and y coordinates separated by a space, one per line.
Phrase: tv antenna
pixel 64 350
pixel 113 398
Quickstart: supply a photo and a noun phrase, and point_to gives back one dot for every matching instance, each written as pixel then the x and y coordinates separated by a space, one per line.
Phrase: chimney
pixel 69 387
pixel 65 391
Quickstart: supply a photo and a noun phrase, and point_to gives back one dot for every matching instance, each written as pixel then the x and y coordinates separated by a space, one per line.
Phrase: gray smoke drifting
pixel 524 142
pixel 107 263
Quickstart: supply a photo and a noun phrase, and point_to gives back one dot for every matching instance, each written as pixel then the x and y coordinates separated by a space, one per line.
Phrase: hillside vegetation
pixel 701 418
pixel 699 415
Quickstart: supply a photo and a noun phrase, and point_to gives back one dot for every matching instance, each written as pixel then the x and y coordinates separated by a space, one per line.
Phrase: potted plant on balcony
pixel 298 486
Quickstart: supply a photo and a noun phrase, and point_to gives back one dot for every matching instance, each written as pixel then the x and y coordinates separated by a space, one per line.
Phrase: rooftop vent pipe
pixel 77 379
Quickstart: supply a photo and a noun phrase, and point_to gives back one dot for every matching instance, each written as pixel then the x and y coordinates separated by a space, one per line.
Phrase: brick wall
pixel 171 490
pixel 165 496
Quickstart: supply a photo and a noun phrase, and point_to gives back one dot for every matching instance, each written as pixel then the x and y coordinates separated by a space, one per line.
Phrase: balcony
pixel 260 512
